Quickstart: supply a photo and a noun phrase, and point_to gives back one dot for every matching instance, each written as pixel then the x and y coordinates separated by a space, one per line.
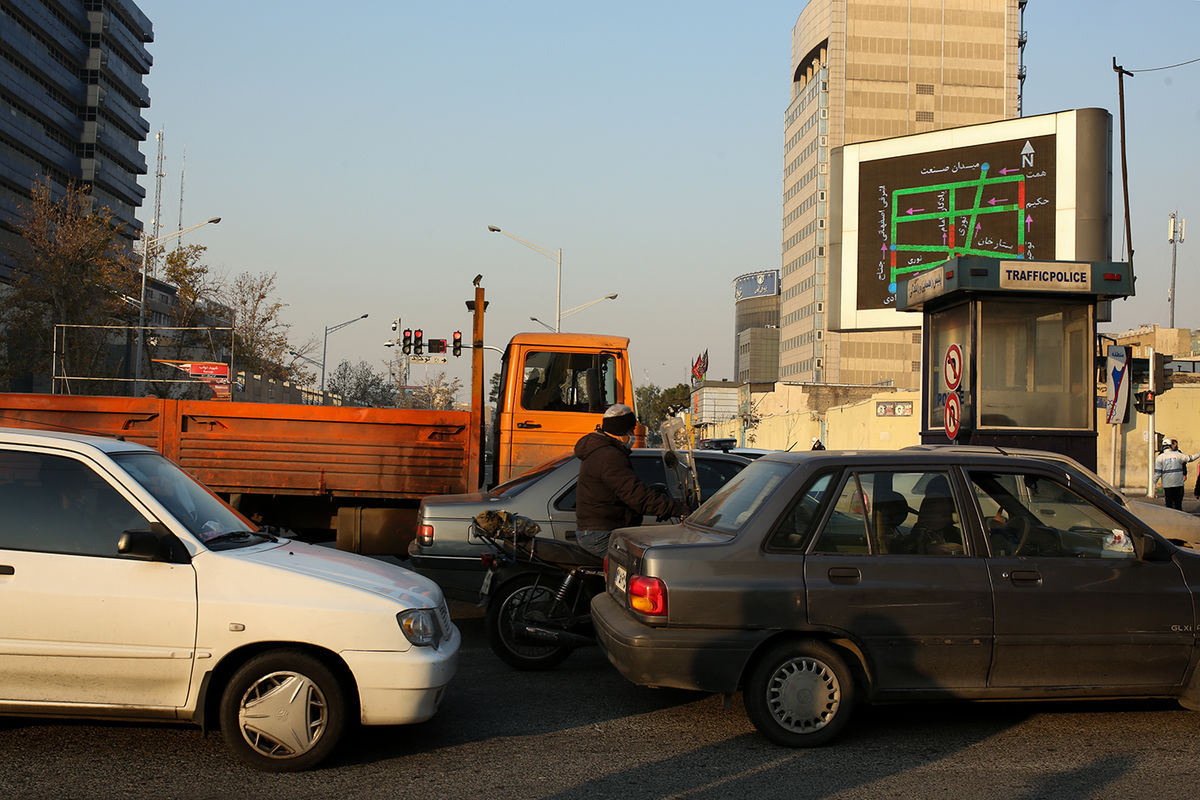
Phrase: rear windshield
pixel 514 486
pixel 737 501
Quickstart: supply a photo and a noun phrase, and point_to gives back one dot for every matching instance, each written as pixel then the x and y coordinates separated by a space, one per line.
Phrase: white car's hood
pixel 349 569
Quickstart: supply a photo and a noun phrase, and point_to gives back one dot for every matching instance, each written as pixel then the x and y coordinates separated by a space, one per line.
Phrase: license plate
pixel 487 583
pixel 620 578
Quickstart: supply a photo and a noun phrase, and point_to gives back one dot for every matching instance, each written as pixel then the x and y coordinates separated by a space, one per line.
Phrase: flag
pixel 698 368
pixel 704 365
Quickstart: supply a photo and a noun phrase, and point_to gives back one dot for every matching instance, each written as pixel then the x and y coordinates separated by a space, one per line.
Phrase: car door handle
pixel 528 425
pixel 5 569
pixel 844 575
pixel 1024 577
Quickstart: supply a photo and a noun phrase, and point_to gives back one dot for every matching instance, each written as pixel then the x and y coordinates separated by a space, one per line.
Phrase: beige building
pixel 864 70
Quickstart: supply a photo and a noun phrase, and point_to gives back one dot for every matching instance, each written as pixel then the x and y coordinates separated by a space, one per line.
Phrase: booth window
pixel 1034 365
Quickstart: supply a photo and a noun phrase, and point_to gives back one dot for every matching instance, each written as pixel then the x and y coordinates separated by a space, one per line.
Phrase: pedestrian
pixel 816 443
pixel 1171 468
pixel 609 494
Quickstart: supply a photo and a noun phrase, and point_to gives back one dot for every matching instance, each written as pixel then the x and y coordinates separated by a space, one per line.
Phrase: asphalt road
pixel 582 731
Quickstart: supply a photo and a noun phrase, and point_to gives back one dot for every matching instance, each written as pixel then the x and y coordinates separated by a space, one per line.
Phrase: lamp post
pixel 146 245
pixel 325 348
pixel 577 308
pixel 553 256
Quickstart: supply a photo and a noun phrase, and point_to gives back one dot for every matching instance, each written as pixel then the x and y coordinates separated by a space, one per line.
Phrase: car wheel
pixel 520 602
pixel 283 711
pixel 800 694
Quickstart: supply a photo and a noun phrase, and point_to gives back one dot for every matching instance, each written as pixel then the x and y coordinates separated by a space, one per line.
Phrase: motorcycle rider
pixel 609 494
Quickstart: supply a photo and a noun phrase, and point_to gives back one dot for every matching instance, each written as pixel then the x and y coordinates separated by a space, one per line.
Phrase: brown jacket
pixel 609 494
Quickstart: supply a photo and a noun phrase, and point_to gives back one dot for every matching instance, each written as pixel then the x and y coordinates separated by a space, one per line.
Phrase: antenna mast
pixel 182 171
pixel 155 225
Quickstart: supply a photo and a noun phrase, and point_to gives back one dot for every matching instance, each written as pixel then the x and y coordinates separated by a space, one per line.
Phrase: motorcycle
pixel 537 591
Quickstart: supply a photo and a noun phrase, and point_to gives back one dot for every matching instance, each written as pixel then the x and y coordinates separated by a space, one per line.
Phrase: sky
pixel 359 152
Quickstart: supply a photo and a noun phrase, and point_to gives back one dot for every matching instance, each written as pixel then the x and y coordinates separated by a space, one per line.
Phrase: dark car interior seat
pixel 935 530
pixel 890 513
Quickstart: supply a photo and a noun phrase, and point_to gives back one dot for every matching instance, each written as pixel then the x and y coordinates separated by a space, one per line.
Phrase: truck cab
pixel 554 388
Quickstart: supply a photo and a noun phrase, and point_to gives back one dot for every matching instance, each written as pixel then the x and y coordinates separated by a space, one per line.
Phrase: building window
pixel 924 116
pixel 924 88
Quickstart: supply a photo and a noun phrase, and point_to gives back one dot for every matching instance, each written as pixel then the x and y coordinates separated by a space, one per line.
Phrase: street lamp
pixel 553 256
pixel 581 307
pixel 325 347
pixel 146 245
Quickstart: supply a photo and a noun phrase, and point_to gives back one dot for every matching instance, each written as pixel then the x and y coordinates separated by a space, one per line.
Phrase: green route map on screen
pixel 916 211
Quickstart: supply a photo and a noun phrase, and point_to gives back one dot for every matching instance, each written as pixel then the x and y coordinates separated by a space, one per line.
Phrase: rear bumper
pixel 680 658
pixel 460 577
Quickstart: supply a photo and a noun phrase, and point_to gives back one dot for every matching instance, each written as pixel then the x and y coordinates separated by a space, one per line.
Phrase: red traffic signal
pixel 407 340
pixel 418 343
pixel 457 343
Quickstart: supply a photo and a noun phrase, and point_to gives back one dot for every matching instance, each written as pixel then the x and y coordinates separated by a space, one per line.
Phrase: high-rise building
pixel 756 327
pixel 71 101
pixel 864 70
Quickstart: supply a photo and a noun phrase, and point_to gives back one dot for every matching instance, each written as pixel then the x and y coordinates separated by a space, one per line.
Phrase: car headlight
pixel 420 626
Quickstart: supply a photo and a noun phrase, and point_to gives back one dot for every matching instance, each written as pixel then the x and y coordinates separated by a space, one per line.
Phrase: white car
pixel 129 590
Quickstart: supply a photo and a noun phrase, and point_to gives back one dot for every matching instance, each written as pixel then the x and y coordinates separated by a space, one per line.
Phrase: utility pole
pixel 1175 231
pixel 1121 73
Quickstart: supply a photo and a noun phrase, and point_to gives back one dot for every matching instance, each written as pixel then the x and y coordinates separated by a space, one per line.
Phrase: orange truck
pixel 358 474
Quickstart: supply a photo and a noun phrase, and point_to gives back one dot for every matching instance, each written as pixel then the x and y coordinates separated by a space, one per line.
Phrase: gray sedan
pixel 446 551
pixel 813 580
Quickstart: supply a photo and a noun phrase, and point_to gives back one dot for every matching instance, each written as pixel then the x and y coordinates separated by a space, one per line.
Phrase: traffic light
pixel 418 344
pixel 457 343
pixel 407 342
pixel 1143 402
pixel 437 345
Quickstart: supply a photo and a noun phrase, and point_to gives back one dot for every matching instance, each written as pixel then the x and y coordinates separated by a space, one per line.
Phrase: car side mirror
pixel 1148 548
pixel 155 544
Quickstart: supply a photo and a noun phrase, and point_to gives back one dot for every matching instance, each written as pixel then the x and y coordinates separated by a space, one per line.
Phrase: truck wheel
pixel 799 694
pixel 518 603
pixel 283 711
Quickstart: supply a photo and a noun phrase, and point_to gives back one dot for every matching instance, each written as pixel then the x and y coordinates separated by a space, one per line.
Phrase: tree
pixel 494 390
pixel 260 335
pixel 360 385
pixel 72 267
pixel 195 306
pixel 437 393
pixel 656 405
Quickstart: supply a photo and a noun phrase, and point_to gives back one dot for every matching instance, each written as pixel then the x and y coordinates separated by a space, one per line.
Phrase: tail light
pixel 648 595
pixel 424 535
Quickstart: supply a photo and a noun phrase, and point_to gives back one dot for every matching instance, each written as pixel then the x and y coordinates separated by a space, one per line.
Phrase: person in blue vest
pixel 1171 468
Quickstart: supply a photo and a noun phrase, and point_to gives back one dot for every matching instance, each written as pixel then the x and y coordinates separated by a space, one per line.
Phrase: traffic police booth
pixel 1009 350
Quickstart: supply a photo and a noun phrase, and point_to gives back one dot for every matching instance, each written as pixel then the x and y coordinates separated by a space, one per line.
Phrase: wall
pixel 1175 416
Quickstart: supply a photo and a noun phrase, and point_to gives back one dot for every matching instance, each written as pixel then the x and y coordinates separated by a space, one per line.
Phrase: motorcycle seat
pixel 566 554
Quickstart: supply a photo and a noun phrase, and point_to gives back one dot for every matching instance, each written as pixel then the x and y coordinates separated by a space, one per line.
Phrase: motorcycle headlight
pixel 420 626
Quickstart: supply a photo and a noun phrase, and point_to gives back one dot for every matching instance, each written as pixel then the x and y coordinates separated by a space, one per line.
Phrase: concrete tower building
pixel 864 70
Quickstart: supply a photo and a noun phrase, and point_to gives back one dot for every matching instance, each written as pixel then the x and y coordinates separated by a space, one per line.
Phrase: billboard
pixel 1035 188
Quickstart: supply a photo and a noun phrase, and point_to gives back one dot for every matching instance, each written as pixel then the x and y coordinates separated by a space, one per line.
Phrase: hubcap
pixel 803 695
pixel 283 715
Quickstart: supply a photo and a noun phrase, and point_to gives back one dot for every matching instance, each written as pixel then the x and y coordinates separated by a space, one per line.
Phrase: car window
pixel 738 500
pixel 894 513
pixel 579 382
pixel 796 527
pixel 712 474
pixel 1032 515
pixel 54 504
pixel 194 506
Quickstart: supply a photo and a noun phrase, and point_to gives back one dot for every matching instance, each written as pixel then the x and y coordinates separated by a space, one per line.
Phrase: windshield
pixel 737 501
pixel 514 486
pixel 204 514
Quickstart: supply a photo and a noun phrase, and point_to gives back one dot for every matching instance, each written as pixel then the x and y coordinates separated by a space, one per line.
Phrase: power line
pixel 1173 66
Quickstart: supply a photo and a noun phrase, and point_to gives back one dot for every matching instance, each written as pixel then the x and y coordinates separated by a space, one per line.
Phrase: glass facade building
pixel 72 92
